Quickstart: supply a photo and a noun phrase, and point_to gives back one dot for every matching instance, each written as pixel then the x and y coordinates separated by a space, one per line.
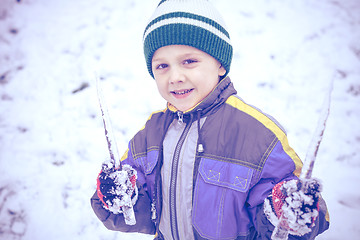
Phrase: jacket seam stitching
pixel 143 154
pixel 232 160
pixel 267 153
pixel 221 210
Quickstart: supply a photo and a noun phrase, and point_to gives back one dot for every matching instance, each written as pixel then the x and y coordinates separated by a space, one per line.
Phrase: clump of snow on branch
pixel 125 190
pixel 300 208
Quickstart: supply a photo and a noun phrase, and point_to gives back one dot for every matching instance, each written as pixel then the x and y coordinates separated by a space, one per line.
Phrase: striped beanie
pixel 194 23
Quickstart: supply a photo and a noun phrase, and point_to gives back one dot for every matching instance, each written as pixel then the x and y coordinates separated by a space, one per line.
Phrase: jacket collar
pixel 217 97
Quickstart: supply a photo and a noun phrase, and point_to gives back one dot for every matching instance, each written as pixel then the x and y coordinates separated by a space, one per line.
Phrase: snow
pixel 52 140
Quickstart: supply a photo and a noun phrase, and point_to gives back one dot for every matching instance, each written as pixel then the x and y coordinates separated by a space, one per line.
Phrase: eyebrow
pixel 157 60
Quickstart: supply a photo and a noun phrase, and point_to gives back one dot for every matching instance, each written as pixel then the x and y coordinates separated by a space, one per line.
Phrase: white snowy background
pixel 52 140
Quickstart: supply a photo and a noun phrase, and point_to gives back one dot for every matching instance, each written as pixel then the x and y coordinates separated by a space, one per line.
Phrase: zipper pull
pixel 153 211
pixel 200 148
pixel 180 117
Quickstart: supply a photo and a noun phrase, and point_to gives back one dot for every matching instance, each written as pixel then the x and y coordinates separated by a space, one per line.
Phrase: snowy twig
pixel 280 232
pixel 127 199
pixel 313 148
pixel 109 134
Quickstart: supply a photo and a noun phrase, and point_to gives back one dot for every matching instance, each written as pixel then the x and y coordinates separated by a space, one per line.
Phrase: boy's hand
pixel 295 204
pixel 117 188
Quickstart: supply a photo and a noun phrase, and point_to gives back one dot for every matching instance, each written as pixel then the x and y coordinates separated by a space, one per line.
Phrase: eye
pixel 189 61
pixel 161 66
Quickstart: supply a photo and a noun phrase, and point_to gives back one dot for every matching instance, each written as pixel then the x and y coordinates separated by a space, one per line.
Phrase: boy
pixel 209 166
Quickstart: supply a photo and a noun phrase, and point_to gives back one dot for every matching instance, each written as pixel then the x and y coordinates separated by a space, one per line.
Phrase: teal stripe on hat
pixel 162 1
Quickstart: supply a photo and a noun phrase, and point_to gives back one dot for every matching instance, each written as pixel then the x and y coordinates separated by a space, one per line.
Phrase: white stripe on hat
pixel 188 21
pixel 199 7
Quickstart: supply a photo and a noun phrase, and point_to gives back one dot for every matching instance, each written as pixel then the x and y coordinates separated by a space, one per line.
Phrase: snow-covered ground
pixel 51 136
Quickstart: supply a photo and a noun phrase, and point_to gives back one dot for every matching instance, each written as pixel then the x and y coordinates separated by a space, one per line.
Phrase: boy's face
pixel 185 75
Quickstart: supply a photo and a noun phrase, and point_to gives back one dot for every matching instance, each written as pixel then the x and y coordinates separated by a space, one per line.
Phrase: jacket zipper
pixel 173 178
pixel 180 117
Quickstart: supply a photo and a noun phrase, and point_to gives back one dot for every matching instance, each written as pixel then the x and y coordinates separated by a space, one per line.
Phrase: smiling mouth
pixel 183 92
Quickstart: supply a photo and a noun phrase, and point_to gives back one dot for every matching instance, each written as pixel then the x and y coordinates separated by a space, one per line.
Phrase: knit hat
pixel 194 23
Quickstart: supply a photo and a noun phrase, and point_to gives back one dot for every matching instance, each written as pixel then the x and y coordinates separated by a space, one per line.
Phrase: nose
pixel 176 75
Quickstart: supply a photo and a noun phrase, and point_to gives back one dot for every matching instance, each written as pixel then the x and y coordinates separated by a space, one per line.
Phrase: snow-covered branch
pixel 313 148
pixel 109 134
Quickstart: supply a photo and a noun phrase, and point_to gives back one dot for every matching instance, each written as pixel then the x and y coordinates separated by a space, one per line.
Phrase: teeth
pixel 182 92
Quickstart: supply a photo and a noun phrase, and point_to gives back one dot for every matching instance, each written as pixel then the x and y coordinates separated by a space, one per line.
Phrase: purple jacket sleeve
pixel 278 167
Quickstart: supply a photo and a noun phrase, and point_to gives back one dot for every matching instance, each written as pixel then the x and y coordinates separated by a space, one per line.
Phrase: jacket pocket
pixel 147 161
pixel 220 194
pixel 225 174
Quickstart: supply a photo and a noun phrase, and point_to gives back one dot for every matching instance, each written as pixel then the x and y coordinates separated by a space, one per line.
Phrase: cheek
pixel 162 87
pixel 213 81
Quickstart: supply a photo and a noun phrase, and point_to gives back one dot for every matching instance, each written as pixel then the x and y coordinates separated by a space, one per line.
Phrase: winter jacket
pixel 240 155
